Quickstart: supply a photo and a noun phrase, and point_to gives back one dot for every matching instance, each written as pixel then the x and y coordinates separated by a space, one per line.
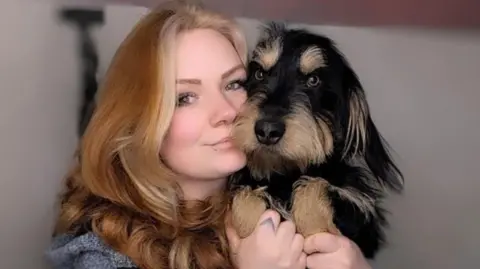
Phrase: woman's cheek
pixel 186 129
pixel 238 98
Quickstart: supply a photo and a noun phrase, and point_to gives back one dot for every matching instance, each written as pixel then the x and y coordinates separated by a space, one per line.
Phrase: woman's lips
pixel 223 144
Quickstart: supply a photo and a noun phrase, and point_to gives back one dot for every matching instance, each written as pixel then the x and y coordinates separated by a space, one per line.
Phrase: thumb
pixel 231 233
pixel 233 238
pixel 268 222
pixel 323 243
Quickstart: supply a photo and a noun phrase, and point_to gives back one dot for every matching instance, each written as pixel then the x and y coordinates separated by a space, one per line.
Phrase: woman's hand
pixel 328 251
pixel 272 245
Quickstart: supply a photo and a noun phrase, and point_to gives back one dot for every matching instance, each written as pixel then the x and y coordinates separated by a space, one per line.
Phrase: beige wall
pixel 38 78
pixel 422 87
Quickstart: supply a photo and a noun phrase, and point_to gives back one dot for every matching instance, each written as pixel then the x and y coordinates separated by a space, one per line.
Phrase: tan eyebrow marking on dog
pixel 311 59
pixel 267 57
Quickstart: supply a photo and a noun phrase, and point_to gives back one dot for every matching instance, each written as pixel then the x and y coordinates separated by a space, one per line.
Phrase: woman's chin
pixel 231 161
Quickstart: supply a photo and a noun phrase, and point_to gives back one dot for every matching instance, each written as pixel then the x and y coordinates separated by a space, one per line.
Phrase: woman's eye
pixel 236 85
pixel 185 99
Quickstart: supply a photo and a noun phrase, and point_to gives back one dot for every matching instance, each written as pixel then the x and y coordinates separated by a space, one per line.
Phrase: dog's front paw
pixel 247 207
pixel 311 207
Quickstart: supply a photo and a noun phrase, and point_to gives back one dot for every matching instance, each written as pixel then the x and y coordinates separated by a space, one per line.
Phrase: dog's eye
pixel 259 75
pixel 313 81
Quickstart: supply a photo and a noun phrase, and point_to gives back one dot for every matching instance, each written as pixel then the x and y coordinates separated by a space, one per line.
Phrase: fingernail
pixel 268 221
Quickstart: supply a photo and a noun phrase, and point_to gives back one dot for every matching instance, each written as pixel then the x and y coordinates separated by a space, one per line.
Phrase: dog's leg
pixel 247 207
pixel 311 207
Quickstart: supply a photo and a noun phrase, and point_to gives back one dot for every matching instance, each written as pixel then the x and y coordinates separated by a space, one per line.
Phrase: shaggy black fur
pixel 359 159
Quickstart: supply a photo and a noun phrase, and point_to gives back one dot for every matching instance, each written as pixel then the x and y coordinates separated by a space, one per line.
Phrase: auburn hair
pixel 119 187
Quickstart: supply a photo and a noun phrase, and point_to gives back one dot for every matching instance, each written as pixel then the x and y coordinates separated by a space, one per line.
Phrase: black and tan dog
pixel 314 153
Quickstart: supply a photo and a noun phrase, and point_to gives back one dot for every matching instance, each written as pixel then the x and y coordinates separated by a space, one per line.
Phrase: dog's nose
pixel 269 132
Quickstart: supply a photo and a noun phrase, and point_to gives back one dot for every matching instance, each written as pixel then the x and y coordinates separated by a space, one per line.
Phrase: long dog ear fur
pixel 362 138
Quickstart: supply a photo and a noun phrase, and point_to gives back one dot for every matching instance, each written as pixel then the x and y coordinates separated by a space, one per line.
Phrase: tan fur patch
pixel 307 140
pixel 247 207
pixel 263 163
pixel 268 56
pixel 312 211
pixel 357 132
pixel 243 133
pixel 311 59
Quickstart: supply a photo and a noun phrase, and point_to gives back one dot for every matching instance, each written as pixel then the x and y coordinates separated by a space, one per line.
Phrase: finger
pixel 322 242
pixel 297 245
pixel 232 237
pixel 302 261
pixel 268 223
pixel 286 231
pixel 325 260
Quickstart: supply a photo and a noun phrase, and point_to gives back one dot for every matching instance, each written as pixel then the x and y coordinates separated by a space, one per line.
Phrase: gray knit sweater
pixel 86 251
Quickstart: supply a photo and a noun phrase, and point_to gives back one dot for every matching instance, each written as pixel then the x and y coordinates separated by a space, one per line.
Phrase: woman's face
pixel 209 96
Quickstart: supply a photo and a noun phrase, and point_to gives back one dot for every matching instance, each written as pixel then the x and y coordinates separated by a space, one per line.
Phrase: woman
pixel 148 189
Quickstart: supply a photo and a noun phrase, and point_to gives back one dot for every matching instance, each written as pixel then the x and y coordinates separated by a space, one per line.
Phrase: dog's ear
pixel 362 139
pixel 379 160
pixel 272 30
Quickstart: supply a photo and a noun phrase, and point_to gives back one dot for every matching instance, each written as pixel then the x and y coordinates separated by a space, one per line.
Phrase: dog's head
pixel 305 105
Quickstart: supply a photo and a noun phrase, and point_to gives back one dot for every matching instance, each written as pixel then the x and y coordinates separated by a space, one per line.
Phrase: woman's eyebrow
pixel 189 81
pixel 195 81
pixel 232 70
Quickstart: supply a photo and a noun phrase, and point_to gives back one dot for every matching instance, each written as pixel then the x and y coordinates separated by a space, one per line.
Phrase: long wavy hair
pixel 119 188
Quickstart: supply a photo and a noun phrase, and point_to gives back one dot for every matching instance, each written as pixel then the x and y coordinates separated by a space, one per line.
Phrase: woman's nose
pixel 224 111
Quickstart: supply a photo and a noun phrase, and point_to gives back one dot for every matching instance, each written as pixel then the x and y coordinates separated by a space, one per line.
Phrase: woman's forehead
pixel 204 53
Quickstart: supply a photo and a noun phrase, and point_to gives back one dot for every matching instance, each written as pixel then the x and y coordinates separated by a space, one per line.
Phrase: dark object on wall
pixel 84 19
